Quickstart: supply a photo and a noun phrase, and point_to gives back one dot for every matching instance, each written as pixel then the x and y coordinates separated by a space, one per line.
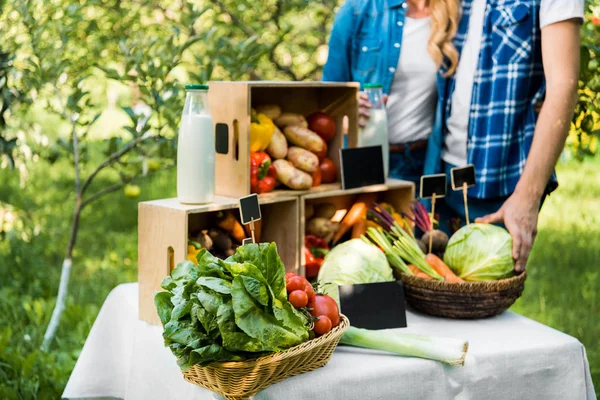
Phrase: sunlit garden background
pixel 90 92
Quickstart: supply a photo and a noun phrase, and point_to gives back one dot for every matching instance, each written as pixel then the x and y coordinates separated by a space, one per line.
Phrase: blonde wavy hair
pixel 445 16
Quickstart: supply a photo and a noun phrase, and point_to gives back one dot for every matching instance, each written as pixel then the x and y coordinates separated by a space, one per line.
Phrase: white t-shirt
pixel 412 100
pixel 455 145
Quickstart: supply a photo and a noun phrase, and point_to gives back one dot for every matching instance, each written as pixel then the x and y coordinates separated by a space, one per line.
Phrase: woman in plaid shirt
pixel 515 56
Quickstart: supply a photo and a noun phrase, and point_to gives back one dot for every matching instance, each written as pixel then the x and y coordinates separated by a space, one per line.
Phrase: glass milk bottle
pixel 375 132
pixel 196 149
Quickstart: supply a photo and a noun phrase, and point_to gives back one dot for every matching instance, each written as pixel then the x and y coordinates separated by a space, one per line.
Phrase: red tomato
pixel 309 291
pixel 595 20
pixel 328 171
pixel 295 283
pixel 323 153
pixel 299 298
pixel 325 305
pixel 323 125
pixel 316 177
pixel 289 275
pixel 322 325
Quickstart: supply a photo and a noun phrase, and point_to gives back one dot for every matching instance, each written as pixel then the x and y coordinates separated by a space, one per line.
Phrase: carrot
pixel 418 273
pixel 359 229
pixel 357 212
pixel 441 268
pixel 231 225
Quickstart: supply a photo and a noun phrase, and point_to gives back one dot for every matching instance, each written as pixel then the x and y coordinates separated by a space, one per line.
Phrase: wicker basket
pixel 243 379
pixel 468 300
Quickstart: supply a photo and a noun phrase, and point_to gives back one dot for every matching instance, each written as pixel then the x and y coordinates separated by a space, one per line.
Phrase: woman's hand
pixel 364 108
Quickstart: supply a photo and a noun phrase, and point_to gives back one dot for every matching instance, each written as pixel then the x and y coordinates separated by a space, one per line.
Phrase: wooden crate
pixel 399 194
pixel 231 102
pixel 164 226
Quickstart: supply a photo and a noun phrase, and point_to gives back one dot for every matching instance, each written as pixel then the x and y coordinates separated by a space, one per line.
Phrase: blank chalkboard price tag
pixel 250 212
pixel 463 178
pixel 221 138
pixel 361 166
pixel 247 241
pixel 374 305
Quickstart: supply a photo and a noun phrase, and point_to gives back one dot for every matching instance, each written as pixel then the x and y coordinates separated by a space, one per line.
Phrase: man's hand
pixel 364 108
pixel 519 213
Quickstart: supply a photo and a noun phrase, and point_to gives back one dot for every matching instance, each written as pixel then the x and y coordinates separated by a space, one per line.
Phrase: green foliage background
pixel 113 69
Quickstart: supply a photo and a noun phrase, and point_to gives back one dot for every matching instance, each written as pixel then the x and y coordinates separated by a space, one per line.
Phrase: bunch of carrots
pixel 402 250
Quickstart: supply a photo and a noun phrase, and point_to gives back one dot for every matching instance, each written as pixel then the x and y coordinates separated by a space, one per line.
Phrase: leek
pixel 447 350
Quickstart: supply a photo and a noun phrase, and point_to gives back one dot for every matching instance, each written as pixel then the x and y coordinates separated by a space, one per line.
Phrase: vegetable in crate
pixel 227 221
pixel 480 252
pixel 322 227
pixel 325 210
pixel 291 176
pixel 290 119
pixel 263 174
pixel 272 111
pixel 261 131
pixel 278 147
pixel 328 171
pixel 229 310
pixel 304 138
pixel 315 250
pixel 303 159
pixel 323 125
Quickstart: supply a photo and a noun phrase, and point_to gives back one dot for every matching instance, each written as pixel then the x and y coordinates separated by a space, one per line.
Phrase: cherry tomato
pixel 298 298
pixel 322 325
pixel 323 125
pixel 325 305
pixel 295 283
pixel 289 275
pixel 310 291
pixel 328 171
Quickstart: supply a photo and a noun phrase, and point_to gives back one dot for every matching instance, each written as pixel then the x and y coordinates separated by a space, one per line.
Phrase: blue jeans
pixel 408 166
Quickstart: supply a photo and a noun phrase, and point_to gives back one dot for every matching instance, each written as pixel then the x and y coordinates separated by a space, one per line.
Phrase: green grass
pixel 561 291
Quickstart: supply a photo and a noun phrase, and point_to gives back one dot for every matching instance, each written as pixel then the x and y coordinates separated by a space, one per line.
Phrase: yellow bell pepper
pixel 261 131
pixel 191 253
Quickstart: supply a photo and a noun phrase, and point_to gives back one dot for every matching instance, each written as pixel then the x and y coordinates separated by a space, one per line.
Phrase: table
pixel 509 357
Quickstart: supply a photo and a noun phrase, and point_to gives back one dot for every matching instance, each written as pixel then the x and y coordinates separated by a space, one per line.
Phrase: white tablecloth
pixel 510 357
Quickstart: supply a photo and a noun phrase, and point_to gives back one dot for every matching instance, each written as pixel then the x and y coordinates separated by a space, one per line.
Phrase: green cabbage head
pixel 353 262
pixel 480 252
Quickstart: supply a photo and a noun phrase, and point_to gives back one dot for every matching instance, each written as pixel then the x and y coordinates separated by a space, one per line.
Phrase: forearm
pixel 560 53
pixel 549 139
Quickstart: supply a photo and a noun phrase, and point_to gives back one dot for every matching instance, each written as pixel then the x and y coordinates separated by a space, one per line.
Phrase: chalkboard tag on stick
pixel 463 178
pixel 250 212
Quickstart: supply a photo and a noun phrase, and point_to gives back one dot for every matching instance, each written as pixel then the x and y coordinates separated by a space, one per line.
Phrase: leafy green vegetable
pixel 228 310
pixel 480 252
pixel 354 262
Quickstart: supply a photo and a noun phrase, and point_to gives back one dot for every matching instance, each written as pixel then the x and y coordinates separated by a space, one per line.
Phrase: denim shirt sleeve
pixel 337 67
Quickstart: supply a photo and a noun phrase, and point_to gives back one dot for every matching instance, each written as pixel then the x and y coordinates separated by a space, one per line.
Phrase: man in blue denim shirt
pixel 515 55
pixel 389 43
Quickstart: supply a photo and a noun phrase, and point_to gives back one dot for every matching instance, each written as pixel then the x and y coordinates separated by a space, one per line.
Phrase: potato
pixel 326 210
pixel 303 159
pixel 291 176
pixel 278 147
pixel 290 119
pixel 321 227
pixel 272 111
pixel 304 138
pixel 438 242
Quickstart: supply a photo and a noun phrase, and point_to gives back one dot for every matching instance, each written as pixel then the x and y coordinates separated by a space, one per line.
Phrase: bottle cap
pixel 372 86
pixel 196 87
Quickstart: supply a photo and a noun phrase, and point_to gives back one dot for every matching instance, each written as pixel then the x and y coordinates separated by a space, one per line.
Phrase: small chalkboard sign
pixel 433 185
pixel 249 209
pixel 462 176
pixel 221 138
pixel 361 166
pixel 374 305
pixel 247 241
pixel 250 213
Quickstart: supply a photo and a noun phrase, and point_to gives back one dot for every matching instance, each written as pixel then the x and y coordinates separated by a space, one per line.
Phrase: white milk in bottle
pixel 375 132
pixel 196 149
